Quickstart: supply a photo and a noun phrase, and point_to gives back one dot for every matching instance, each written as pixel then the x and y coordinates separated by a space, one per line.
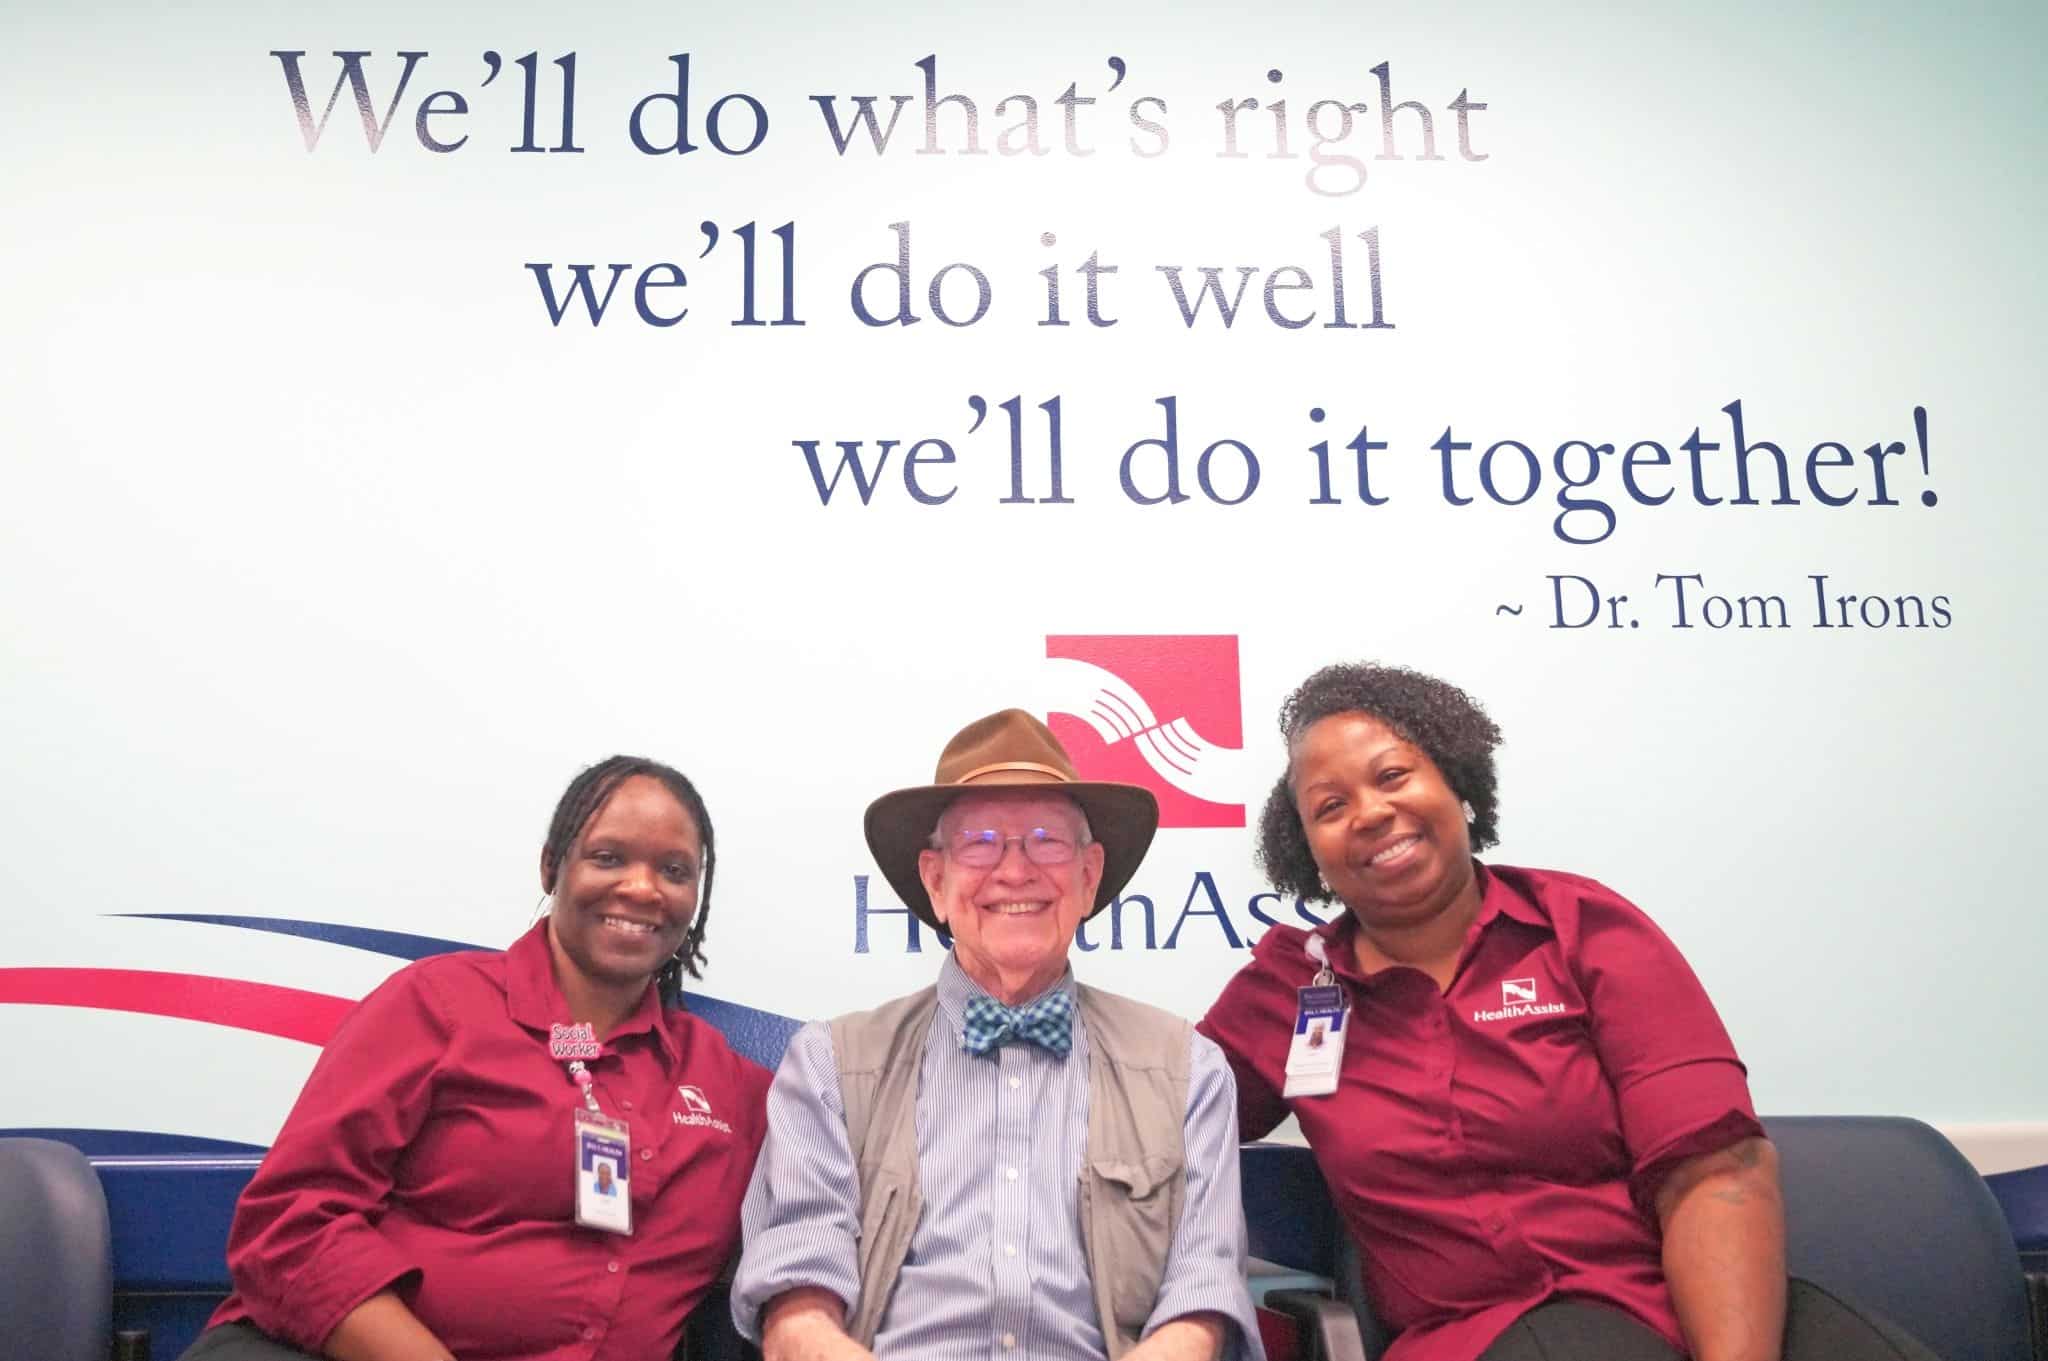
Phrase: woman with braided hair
pixel 523 1154
pixel 1527 1111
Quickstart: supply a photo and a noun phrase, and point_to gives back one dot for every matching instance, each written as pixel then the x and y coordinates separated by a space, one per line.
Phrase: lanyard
pixel 576 1043
pixel 603 1146
pixel 1321 955
pixel 580 1075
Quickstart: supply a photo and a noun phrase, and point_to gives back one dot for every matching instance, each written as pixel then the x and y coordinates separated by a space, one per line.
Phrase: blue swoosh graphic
pixel 752 1033
pixel 396 944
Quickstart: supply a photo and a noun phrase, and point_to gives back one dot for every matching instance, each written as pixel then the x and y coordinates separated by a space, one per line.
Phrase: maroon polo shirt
pixel 431 1151
pixel 1500 1143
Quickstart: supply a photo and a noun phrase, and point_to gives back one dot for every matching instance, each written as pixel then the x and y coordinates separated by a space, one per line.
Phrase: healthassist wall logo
pixel 1162 711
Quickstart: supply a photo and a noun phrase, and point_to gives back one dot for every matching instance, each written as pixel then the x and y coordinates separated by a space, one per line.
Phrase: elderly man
pixel 1008 1164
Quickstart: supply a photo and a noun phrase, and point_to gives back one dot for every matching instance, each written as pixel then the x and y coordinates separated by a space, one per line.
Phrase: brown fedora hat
pixel 1010 749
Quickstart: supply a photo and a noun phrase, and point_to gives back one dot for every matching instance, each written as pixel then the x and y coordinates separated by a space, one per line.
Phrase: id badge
pixel 604 1150
pixel 1315 1056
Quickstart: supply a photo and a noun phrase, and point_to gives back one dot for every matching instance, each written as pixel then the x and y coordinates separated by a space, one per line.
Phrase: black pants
pixel 1818 1327
pixel 239 1342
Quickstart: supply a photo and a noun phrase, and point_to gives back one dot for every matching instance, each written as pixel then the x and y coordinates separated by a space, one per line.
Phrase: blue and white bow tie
pixel 1047 1023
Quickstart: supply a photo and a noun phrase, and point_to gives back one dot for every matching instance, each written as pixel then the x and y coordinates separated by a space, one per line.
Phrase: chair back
pixel 56 1265
pixel 1880 1211
pixel 1885 1213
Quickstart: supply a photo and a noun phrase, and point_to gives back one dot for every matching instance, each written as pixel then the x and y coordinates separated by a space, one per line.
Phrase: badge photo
pixel 604 1199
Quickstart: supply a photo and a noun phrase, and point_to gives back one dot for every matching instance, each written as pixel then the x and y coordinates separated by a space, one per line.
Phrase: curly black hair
pixel 579 804
pixel 1445 722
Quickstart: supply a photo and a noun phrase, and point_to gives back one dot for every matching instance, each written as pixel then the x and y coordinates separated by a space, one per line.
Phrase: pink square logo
pixel 1162 711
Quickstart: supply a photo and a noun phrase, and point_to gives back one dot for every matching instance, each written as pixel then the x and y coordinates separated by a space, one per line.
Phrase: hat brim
pixel 1121 817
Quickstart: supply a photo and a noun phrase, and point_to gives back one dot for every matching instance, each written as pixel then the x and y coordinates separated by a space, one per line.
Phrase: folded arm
pixel 305 1252
pixel 381 1328
pixel 1204 1310
pixel 800 1220
pixel 808 1324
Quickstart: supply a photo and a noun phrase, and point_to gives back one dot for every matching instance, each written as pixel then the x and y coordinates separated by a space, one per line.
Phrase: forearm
pixel 1191 1337
pixel 808 1324
pixel 381 1328
pixel 1724 1252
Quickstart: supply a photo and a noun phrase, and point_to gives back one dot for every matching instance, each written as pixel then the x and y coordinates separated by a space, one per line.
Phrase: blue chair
pixel 2023 1195
pixel 56 1263
pixel 1881 1211
pixel 1885 1213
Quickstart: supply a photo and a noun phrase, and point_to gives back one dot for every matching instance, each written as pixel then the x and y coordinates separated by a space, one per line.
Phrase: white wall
pixel 328 559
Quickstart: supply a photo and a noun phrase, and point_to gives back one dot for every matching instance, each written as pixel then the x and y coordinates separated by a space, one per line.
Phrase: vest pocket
pixel 1132 1207
pixel 883 1190
pixel 885 1229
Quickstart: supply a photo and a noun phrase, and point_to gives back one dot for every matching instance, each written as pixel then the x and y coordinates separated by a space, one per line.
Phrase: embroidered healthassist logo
pixel 1518 998
pixel 698 1107
pixel 1162 711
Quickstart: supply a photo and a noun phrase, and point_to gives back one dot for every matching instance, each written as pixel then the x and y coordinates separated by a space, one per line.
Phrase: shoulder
pixel 1280 962
pixel 1262 989
pixel 893 1009
pixel 710 1057
pixel 452 985
pixel 1134 1034
pixel 867 1041
pixel 1283 949
pixel 1570 901
pixel 1127 1009
pixel 1605 939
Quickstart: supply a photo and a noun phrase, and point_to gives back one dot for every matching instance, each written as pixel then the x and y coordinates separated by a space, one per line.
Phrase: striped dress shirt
pixel 996 1270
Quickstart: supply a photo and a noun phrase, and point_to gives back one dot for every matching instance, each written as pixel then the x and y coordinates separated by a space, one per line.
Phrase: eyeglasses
pixel 983 847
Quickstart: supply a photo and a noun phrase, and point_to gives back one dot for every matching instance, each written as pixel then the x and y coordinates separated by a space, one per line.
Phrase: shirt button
pixel 1009 1341
pixel 627 1104
pixel 1015 1083
pixel 1010 1173
pixel 1009 1249
pixel 611 1267
pixel 589 1333
pixel 645 1154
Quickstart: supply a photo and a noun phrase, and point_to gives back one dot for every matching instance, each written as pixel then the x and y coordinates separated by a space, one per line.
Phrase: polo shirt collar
pixel 533 999
pixel 1497 899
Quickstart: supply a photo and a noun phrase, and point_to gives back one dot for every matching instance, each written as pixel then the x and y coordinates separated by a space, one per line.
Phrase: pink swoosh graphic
pixel 289 1013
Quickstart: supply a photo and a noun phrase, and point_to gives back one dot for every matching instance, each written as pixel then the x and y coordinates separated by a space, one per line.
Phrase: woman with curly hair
pixel 1527 1111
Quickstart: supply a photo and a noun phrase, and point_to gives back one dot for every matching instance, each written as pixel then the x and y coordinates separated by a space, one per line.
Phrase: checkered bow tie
pixel 1047 1023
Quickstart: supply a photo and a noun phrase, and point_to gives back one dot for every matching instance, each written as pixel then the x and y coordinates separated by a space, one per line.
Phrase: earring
pixel 1470 815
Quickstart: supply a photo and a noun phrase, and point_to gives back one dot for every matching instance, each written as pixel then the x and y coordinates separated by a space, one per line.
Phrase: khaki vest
pixel 1132 1167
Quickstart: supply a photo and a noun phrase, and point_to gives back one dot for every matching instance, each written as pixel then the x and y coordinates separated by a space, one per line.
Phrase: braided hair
pixel 1436 716
pixel 579 804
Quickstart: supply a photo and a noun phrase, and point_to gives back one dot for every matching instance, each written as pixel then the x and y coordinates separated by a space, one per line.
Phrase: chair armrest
pixel 1331 1324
